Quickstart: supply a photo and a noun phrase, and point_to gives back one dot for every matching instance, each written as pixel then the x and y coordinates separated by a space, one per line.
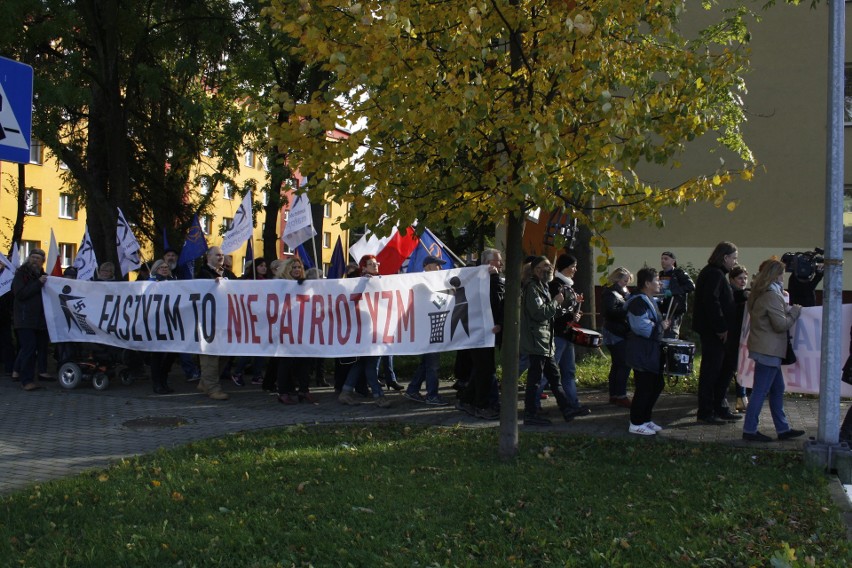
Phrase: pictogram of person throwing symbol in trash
pixel 460 315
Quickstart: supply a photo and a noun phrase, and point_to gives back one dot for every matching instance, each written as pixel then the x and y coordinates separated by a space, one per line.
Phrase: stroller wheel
pixel 100 381
pixel 125 377
pixel 70 375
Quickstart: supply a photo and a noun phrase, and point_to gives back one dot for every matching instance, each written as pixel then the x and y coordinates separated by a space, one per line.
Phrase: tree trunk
pixel 508 445
pixel 585 278
pixel 18 230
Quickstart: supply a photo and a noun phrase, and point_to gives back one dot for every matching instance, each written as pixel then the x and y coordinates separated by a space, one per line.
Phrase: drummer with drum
pixel 643 351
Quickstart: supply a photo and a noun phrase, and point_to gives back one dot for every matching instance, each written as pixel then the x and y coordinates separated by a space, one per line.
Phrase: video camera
pixel 803 265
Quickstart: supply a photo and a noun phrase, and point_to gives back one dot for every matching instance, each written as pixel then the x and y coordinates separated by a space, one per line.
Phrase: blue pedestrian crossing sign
pixel 16 111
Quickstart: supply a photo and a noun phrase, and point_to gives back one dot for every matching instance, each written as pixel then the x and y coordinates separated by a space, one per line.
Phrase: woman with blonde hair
pixel 770 323
pixel 293 371
pixel 616 328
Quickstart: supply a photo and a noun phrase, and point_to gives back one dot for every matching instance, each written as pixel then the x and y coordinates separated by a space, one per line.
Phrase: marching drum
pixel 584 337
pixel 677 357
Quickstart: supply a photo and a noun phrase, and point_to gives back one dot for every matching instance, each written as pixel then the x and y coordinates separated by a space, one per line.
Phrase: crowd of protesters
pixel 636 326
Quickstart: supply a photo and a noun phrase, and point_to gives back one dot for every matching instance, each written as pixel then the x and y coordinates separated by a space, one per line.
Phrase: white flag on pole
pixel 7 273
pixel 85 262
pixel 16 255
pixel 54 263
pixel 242 228
pixel 300 224
pixel 127 246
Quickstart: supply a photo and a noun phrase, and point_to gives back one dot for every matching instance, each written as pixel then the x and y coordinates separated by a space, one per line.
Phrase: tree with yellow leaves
pixel 486 109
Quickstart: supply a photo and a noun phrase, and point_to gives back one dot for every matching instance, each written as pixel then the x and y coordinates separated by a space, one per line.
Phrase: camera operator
pixel 675 285
pixel 803 292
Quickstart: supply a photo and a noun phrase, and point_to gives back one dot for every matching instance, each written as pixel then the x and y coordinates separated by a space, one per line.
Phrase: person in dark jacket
pixel 213 269
pixel 538 309
pixel 803 292
pixel 28 316
pixel 676 285
pixel 644 350
pixel 477 397
pixel 711 319
pixel 616 328
pixel 738 277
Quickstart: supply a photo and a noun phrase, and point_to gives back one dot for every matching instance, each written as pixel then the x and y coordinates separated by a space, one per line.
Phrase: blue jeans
pixel 187 363
pixel 427 371
pixel 370 367
pixel 768 383
pixel 258 364
pixel 566 361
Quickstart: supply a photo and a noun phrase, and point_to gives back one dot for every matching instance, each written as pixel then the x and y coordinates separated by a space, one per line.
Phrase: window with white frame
pixel 287 249
pixel 249 157
pixel 266 163
pixel 36 152
pixel 28 246
pixel 67 206
pixel 32 202
pixel 227 223
pixel 287 215
pixel 264 197
pixel 326 240
pixel 325 267
pixel 67 254
pixel 228 190
pixel 326 210
pixel 204 186
pixel 206 222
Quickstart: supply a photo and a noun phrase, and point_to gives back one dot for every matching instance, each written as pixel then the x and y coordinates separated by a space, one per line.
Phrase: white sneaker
pixel 654 427
pixel 641 429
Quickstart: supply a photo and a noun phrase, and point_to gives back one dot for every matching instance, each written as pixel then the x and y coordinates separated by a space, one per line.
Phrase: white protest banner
pixel 242 228
pixel 300 223
pixel 127 246
pixel 7 274
pixel 804 375
pixel 404 314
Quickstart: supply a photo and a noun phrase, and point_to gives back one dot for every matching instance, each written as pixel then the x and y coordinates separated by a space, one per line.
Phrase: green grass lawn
pixel 382 495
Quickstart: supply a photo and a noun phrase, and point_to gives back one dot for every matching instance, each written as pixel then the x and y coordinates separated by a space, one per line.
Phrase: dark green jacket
pixel 537 313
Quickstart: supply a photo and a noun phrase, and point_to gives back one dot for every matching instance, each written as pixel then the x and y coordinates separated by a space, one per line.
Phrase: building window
pixel 287 215
pixel 264 197
pixel 206 222
pixel 204 186
pixel 847 216
pixel 32 202
pixel 847 96
pixel 67 254
pixel 228 190
pixel 227 223
pixel 325 267
pixel 67 206
pixel 266 163
pixel 326 240
pixel 249 158
pixel 36 152
pixel 287 249
pixel 326 210
pixel 27 247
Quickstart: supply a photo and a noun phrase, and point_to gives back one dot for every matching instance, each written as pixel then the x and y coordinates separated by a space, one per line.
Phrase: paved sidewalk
pixel 53 433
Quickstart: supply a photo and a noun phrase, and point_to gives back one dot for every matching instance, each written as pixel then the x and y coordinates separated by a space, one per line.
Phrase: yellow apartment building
pixel 49 205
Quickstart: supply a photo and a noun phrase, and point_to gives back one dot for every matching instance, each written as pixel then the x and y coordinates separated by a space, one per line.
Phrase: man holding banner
pixel 214 269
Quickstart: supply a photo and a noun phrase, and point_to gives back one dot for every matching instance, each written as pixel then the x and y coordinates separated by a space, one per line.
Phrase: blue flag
pixel 429 245
pixel 165 239
pixel 338 261
pixel 194 246
pixel 248 260
pixel 303 254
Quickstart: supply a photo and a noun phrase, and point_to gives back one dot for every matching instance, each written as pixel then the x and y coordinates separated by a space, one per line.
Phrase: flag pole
pixel 314 242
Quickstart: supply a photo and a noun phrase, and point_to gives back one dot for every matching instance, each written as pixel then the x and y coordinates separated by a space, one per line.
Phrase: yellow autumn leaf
pixel 731 205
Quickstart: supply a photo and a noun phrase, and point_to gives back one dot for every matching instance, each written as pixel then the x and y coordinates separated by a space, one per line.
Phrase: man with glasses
pixel 538 310
pixel 213 269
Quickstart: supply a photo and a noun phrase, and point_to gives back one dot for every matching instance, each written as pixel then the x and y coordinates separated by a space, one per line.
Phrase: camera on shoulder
pixel 803 265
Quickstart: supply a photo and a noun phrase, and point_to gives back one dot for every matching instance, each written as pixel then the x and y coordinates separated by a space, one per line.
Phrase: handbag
pixel 790 357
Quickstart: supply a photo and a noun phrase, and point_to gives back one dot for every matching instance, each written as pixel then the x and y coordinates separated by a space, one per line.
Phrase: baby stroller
pixel 96 363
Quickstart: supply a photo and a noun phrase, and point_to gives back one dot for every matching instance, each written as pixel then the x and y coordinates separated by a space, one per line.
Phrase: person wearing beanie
pixel 675 285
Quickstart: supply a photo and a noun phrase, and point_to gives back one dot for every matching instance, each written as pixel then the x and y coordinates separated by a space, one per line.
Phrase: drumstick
pixel 671 306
